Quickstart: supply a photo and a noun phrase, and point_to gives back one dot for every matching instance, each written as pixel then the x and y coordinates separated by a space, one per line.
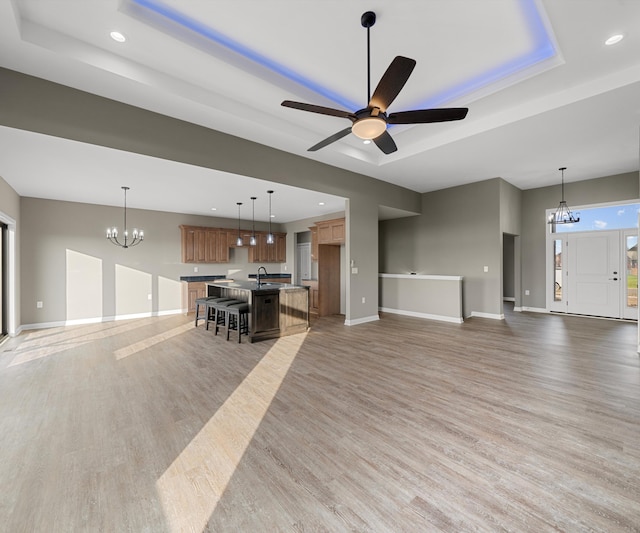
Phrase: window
pixel 631 248
pixel 602 218
pixel 557 270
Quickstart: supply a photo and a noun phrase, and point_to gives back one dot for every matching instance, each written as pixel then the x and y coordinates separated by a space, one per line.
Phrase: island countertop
pixel 253 285
pixel 275 309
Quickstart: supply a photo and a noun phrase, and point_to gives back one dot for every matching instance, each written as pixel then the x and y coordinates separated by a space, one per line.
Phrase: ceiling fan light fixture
pixel 369 127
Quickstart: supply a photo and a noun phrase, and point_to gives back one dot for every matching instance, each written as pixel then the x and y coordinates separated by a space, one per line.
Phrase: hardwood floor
pixel 531 424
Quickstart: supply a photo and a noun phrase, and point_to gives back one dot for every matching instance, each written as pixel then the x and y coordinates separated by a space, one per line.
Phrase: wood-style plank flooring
pixel 152 425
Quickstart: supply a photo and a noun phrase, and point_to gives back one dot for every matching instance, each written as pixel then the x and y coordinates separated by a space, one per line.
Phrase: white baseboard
pixel 492 316
pixel 508 299
pixel 534 309
pixel 97 320
pixel 362 320
pixel 441 318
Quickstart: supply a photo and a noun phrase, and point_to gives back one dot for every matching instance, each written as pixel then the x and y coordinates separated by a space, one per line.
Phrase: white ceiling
pixel 529 114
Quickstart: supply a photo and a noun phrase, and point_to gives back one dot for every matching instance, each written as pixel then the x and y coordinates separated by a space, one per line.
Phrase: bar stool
pixel 210 310
pixel 240 315
pixel 202 302
pixel 217 311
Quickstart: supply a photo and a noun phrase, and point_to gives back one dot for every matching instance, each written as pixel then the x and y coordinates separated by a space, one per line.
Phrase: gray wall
pixel 618 188
pixel 37 105
pixel 70 266
pixel 462 229
pixel 458 234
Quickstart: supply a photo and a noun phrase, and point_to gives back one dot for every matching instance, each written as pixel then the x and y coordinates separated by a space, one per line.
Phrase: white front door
pixel 594 278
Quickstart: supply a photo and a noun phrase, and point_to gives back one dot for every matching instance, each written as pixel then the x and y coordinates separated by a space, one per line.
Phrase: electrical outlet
pixel 195 269
pixel 486 268
pixel 354 270
pixel 148 297
pixel 527 292
pixel 364 300
pixel 39 305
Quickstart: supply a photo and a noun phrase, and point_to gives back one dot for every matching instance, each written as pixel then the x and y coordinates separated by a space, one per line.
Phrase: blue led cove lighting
pixel 542 49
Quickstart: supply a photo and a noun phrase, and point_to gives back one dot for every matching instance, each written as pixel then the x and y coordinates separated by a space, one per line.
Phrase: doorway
pixel 303 262
pixel 3 279
pixel 594 273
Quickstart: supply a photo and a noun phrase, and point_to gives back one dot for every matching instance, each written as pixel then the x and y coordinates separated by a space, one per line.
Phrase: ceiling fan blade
pixel 392 82
pixel 425 116
pixel 329 140
pixel 319 109
pixel 385 143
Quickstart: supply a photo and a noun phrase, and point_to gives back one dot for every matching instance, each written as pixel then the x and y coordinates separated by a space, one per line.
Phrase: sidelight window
pixel 631 249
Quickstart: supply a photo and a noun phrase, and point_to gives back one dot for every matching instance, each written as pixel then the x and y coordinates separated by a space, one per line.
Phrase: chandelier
pixel 136 237
pixel 563 214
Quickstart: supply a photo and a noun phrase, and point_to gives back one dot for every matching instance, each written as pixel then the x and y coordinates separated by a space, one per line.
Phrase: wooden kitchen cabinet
pixel 314 305
pixel 195 290
pixel 211 245
pixel 263 252
pixel 223 248
pixel 194 245
pixel 331 231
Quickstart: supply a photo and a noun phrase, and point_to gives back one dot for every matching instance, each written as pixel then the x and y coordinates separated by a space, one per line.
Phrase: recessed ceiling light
pixel 320 203
pixel 272 216
pixel 366 141
pixel 614 39
pixel 117 36
pixel 214 209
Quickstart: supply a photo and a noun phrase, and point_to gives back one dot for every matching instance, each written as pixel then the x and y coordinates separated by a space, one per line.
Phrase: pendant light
pixel 270 235
pixel 136 237
pixel 563 214
pixel 239 240
pixel 252 241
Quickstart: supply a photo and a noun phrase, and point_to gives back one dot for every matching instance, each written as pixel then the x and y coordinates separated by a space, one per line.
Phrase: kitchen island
pixel 275 309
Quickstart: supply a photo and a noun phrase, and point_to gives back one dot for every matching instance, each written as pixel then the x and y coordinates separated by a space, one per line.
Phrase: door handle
pixel 613 279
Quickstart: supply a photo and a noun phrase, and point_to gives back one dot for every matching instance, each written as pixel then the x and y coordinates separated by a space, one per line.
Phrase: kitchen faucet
pixel 258 274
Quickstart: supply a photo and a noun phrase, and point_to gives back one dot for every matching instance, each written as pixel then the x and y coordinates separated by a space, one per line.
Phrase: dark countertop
pixel 272 276
pixel 202 278
pixel 253 286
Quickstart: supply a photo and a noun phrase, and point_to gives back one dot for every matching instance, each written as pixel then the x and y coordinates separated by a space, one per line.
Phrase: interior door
pixel 594 277
pixel 303 262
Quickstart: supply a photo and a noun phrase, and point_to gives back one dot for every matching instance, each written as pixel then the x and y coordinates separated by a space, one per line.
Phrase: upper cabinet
pixel 331 231
pixel 204 245
pixel 211 245
pixel 264 252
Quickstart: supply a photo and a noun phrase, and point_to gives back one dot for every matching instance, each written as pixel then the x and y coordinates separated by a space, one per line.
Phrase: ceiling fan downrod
pixel 367 20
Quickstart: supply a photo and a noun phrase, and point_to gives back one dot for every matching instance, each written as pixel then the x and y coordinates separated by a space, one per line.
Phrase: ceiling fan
pixel 371 122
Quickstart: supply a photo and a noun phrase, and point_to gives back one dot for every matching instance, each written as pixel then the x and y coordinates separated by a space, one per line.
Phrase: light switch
pixel 486 268
pixel 354 270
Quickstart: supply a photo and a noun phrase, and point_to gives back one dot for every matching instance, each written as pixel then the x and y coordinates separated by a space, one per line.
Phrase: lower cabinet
pixel 314 304
pixel 195 290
